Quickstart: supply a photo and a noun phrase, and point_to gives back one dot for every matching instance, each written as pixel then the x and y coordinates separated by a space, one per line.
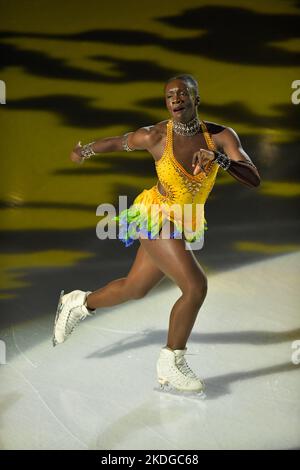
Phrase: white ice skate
pixel 70 311
pixel 175 376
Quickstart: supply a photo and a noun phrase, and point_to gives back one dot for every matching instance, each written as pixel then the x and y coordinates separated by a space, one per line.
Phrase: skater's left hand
pixel 201 160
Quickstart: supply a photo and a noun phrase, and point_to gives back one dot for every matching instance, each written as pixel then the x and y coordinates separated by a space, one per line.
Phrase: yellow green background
pixel 42 190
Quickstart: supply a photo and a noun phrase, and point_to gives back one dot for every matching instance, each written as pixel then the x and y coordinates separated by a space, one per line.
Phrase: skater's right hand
pixel 76 155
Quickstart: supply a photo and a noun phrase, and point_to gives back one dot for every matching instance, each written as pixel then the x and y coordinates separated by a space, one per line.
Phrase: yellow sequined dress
pixel 183 203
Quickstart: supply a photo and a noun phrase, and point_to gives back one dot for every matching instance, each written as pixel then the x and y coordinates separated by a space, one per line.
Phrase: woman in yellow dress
pixel 188 153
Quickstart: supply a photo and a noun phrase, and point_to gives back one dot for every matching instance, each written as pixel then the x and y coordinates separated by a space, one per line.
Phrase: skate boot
pixel 71 310
pixel 174 374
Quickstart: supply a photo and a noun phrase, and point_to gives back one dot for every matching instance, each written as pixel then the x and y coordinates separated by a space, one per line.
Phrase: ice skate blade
pixel 58 310
pixel 169 390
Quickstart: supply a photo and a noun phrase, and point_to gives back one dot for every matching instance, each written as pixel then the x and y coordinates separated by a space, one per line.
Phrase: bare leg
pixel 142 277
pixel 180 265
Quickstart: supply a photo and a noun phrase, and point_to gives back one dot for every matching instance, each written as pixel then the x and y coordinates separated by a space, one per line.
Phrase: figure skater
pixel 188 153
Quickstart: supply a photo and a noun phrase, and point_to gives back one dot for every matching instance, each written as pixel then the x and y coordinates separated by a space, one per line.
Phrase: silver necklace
pixel 187 128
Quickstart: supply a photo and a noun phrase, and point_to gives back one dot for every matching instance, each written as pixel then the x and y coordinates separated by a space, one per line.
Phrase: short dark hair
pixel 188 79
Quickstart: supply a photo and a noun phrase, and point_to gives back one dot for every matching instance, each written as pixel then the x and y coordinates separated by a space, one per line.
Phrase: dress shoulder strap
pixel 169 135
pixel 210 143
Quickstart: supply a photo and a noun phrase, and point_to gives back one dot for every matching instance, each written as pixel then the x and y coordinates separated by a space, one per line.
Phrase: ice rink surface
pixel 97 390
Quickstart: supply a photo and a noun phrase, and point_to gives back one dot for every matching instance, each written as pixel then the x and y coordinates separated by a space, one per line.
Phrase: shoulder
pixel 148 136
pixel 214 128
pixel 222 134
pixel 157 131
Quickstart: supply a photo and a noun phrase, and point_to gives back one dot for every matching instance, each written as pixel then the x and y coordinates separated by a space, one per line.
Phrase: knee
pixel 197 288
pixel 205 284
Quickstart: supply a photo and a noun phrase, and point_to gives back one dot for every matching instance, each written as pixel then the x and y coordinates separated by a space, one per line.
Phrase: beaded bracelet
pixel 222 160
pixel 87 150
pixel 125 143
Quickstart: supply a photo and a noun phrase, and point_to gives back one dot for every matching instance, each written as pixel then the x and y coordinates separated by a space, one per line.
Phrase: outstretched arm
pixel 140 139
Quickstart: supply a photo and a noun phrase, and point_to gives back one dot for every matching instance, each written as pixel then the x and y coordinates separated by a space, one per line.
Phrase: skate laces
pixel 177 375
pixel 179 371
pixel 73 320
pixel 185 368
